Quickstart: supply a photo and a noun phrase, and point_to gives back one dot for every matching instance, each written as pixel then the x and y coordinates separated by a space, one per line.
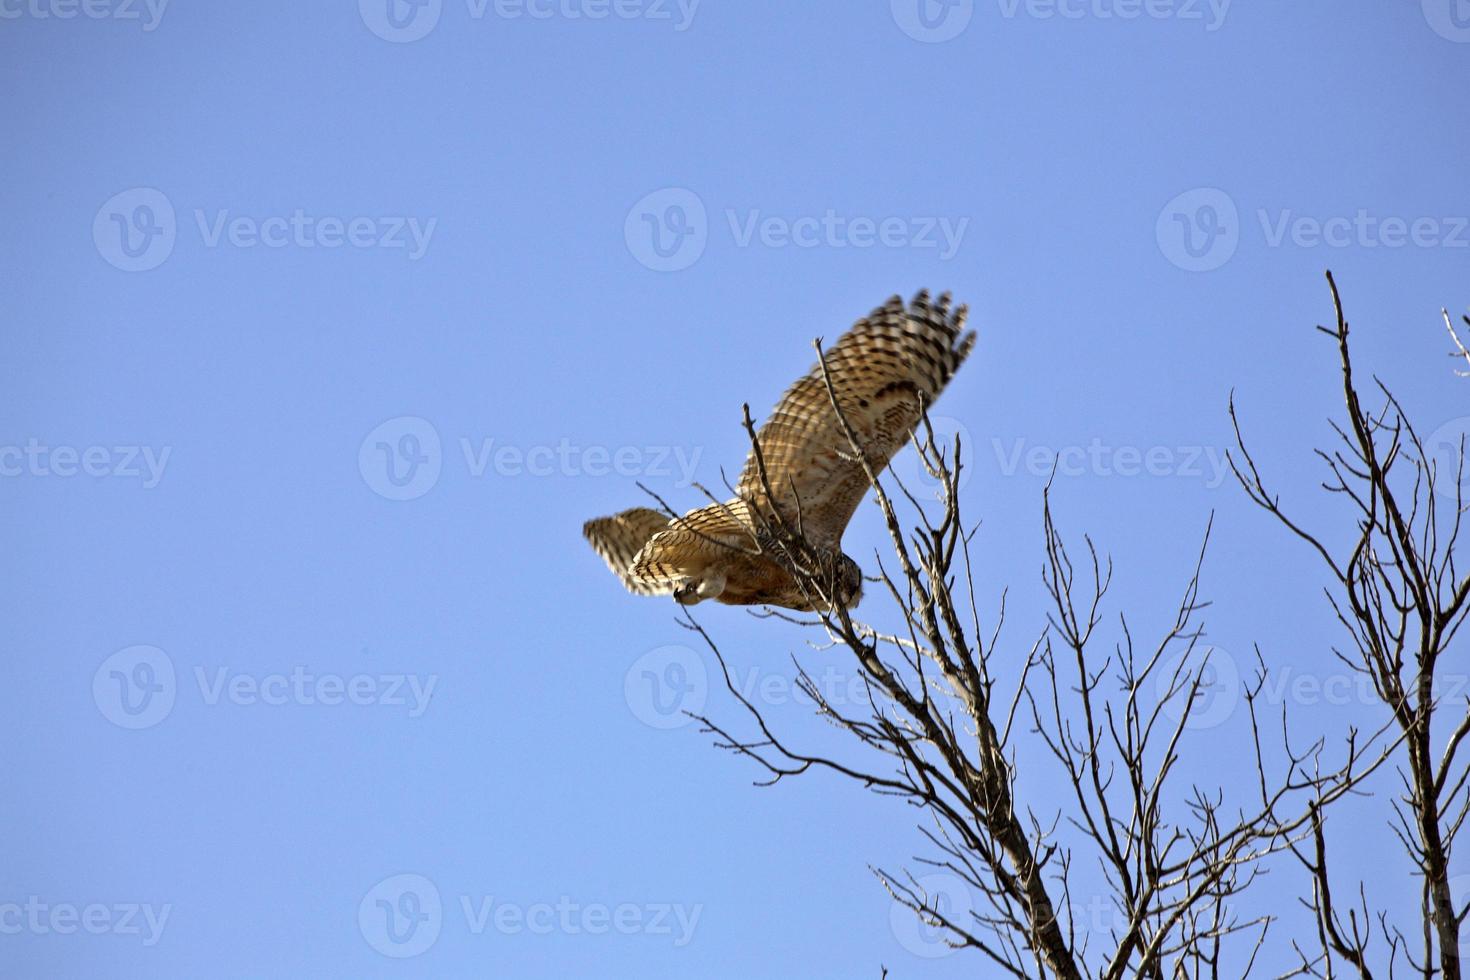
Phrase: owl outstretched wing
pixel 712 534
pixel 619 538
pixel 880 371
pixel 652 552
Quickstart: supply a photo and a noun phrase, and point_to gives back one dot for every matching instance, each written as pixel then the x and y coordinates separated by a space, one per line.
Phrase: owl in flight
pixel 897 358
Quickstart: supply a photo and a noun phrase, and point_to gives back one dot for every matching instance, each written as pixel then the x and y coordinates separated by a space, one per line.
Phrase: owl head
pixel 849 582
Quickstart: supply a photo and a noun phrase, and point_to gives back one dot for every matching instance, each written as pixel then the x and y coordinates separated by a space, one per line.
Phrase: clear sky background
pixel 270 460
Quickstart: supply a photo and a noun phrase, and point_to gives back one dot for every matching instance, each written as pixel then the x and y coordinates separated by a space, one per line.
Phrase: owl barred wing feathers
pixel 619 538
pixel 883 372
pixel 880 369
pixel 650 551
pixel 701 537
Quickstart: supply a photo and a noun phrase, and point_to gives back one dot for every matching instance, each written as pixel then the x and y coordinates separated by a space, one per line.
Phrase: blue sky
pixel 328 324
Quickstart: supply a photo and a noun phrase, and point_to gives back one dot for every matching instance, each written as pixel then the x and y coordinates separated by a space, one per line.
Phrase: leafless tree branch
pixel 1399 596
pixel 1171 859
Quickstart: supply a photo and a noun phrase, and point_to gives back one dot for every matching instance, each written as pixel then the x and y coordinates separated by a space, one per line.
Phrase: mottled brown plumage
pixel 880 370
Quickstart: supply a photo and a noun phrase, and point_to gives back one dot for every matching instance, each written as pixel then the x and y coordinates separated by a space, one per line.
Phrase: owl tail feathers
pixel 619 539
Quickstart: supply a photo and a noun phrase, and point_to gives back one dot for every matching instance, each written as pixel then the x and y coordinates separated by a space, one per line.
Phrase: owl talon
pixel 687 594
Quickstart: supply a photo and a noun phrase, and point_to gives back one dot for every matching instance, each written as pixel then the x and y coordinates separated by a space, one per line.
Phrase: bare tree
pixel 938 727
pixel 1400 597
pixel 1460 349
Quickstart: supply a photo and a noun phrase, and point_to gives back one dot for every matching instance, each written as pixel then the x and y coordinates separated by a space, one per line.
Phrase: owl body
pixel 881 374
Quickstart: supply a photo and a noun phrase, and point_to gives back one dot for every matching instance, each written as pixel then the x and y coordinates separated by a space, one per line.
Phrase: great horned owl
pixel 882 370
